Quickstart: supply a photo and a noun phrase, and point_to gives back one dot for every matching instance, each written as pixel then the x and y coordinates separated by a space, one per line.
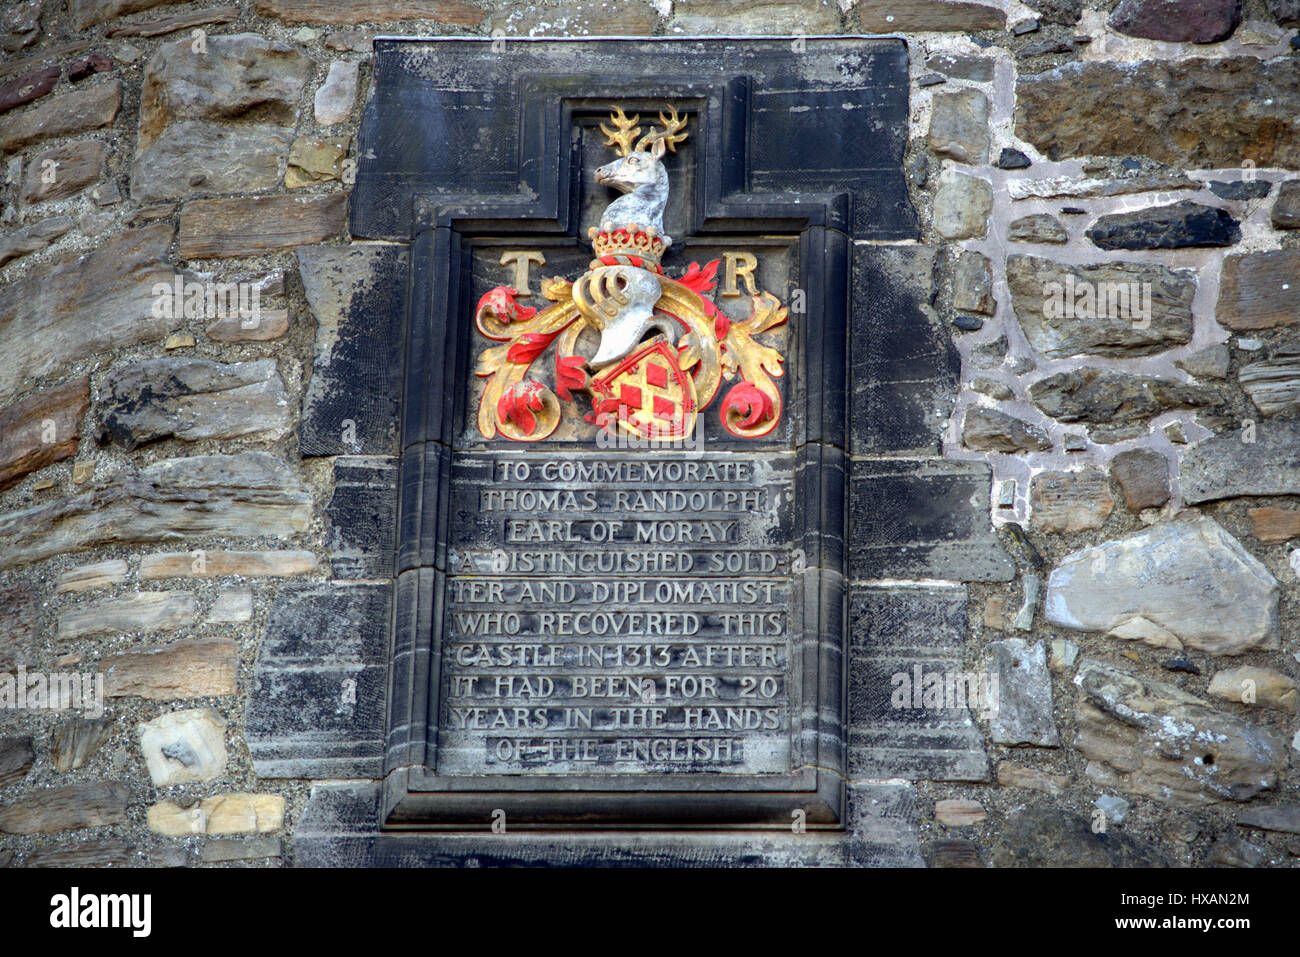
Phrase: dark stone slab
pixel 444 122
pixel 1012 159
pixel 317 704
pixel 1177 21
pixel 905 369
pixel 339 828
pixel 357 295
pixel 918 518
pixel 1240 189
pixel 895 630
pixel 361 517
pixel 1166 227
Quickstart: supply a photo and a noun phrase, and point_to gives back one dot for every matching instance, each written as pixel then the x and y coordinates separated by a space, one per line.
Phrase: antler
pixel 624 132
pixel 672 125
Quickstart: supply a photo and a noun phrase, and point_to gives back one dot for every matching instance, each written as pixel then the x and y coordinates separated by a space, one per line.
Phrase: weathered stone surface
pixel 41 429
pixel 231 607
pixel 209 564
pixel 905 369
pixel 19 615
pixel 1226 110
pixel 1285 12
pixel 1067 310
pixel 193 668
pixel 1239 190
pixel 1177 226
pixel 86 13
pixel 973 284
pixel 1225 466
pixel 69 808
pixel 1070 502
pixel 1054 837
pixel 1173 584
pixel 1031 779
pixel 195 399
pixel 1064 12
pixel 955 812
pixel 1275 525
pixel 989 355
pixel 962 205
pixel 21 24
pixel 992 430
pixel 1150 738
pixel 247 495
pixel 1210 363
pixel 219 814
pixel 1143 478
pixel 187 141
pixel 16 758
pixel 82 306
pixel 360 518
pixel 180 21
pixel 1044 48
pixel 64 114
pixel 269 324
pixel 924 16
pixel 33 238
pixel 918 518
pixel 221 228
pixel 352 292
pixel 992 388
pixel 338 94
pixel 192 156
pixel 51 53
pixel 1038 228
pixel 1024 698
pixel 88 66
pixel 888 638
pixel 314 161
pixel 224 850
pixel 1232 851
pixel 723 18
pixel 28 87
pixel 1256 686
pixel 320 641
pixel 63 171
pixel 107 852
pixel 1259 290
pixel 1090 187
pixel 1177 21
pixel 952 853
pixel 141 612
pixel 184 746
pixel 959 126
pixel 95 575
pixel 77 740
pixel 371 11
pixel 1280 817
pixel 1104 397
pixel 956 67
pixel 1286 208
pixel 1273 384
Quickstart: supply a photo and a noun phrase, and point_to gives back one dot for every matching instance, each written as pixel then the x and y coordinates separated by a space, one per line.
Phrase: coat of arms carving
pixel 665 351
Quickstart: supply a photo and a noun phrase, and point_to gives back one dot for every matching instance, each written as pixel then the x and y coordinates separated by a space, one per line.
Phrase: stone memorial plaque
pixel 620 557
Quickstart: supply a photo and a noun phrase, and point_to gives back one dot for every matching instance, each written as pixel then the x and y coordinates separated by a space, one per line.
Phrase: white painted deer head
pixel 638 171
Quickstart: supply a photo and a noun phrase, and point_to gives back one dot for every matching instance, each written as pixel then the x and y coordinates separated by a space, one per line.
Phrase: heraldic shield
pixel 648 393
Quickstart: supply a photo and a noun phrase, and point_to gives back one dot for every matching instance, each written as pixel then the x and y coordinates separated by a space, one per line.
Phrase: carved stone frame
pixel 436 360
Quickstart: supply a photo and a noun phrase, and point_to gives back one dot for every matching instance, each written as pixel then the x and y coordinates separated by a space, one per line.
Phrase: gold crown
pixel 629 245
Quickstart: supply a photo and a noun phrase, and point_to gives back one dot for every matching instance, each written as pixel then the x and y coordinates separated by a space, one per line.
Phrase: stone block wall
pixel 1092 349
